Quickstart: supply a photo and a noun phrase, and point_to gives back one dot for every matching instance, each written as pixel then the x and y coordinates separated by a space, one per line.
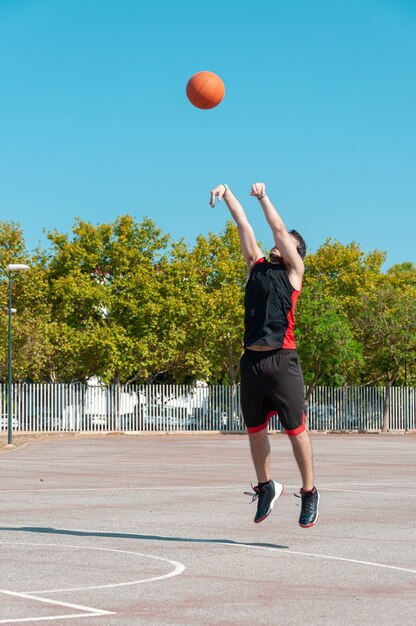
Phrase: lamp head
pixel 17 267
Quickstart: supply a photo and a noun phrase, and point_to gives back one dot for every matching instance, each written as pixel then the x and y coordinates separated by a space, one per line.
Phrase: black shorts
pixel 272 382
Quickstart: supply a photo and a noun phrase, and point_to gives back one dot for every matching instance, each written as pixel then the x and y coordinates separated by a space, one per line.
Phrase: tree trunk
pixel 117 403
pixel 386 403
pixel 312 385
pixel 234 417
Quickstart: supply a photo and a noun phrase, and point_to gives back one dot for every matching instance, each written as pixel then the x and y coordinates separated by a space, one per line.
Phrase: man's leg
pixel 288 398
pixel 302 449
pixel 267 491
pixel 260 452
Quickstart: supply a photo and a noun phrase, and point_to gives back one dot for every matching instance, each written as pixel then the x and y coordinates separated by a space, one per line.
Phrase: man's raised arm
pixel 248 243
pixel 282 239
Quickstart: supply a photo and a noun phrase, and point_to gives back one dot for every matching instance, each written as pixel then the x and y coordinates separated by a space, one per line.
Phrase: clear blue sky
pixel 320 104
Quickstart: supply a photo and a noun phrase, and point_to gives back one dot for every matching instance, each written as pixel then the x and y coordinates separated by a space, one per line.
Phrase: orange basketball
pixel 205 90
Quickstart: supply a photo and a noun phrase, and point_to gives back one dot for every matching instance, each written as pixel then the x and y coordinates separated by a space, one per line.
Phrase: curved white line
pixel 178 567
pixel 220 543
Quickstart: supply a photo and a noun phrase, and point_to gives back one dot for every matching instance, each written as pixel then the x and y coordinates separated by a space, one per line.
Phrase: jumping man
pixel 271 377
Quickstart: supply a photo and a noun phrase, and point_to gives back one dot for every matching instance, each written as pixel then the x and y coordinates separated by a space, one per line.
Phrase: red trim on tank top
pixel 289 340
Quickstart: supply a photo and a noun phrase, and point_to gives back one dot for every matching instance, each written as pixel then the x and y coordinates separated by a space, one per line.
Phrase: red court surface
pixel 156 530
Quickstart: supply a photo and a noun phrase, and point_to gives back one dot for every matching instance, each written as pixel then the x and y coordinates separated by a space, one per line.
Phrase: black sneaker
pixel 266 496
pixel 309 514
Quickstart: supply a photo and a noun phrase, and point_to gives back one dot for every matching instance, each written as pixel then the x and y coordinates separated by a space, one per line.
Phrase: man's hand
pixel 249 245
pixel 217 192
pixel 258 190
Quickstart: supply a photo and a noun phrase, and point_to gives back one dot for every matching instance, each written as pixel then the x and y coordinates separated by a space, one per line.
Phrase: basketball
pixel 205 90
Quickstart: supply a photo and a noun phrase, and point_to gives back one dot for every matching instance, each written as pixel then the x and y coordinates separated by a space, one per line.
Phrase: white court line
pixel 361 484
pixel 88 611
pixel 211 488
pixel 332 558
pixel 220 543
pixel 372 492
pixel 369 492
pixel 172 488
pixel 178 567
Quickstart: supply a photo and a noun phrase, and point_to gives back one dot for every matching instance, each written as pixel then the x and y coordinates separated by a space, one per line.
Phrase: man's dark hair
pixel 301 247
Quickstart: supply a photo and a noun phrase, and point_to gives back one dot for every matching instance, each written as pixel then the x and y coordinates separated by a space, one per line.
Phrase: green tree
pixel 222 271
pixel 344 272
pixel 387 325
pixel 29 321
pixel 328 352
pixel 178 319
pixel 102 285
pixel 122 302
pixel 33 324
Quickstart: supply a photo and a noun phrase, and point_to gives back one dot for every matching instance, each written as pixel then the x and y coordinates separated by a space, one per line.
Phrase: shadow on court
pixel 86 533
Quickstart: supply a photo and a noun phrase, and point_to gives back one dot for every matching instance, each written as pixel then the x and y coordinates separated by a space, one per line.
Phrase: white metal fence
pixel 133 408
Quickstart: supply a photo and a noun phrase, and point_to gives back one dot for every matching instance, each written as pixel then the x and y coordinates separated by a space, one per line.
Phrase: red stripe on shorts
pixel 256 429
pixel 300 429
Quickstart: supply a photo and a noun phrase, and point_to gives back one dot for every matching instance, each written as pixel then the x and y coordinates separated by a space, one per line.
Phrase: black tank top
pixel 269 304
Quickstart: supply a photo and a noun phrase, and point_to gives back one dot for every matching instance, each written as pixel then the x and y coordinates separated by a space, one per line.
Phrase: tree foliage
pixel 328 351
pixel 125 303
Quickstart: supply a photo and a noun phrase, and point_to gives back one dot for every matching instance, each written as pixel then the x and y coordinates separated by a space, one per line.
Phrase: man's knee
pixel 302 436
pixel 258 435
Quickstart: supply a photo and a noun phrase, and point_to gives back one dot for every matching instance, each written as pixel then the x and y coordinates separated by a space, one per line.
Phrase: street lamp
pixel 13 267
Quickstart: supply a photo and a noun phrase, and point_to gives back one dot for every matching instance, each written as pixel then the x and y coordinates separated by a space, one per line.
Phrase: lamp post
pixel 13 267
pixel 406 391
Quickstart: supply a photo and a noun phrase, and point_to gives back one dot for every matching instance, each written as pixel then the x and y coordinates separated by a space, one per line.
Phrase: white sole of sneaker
pixel 279 489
